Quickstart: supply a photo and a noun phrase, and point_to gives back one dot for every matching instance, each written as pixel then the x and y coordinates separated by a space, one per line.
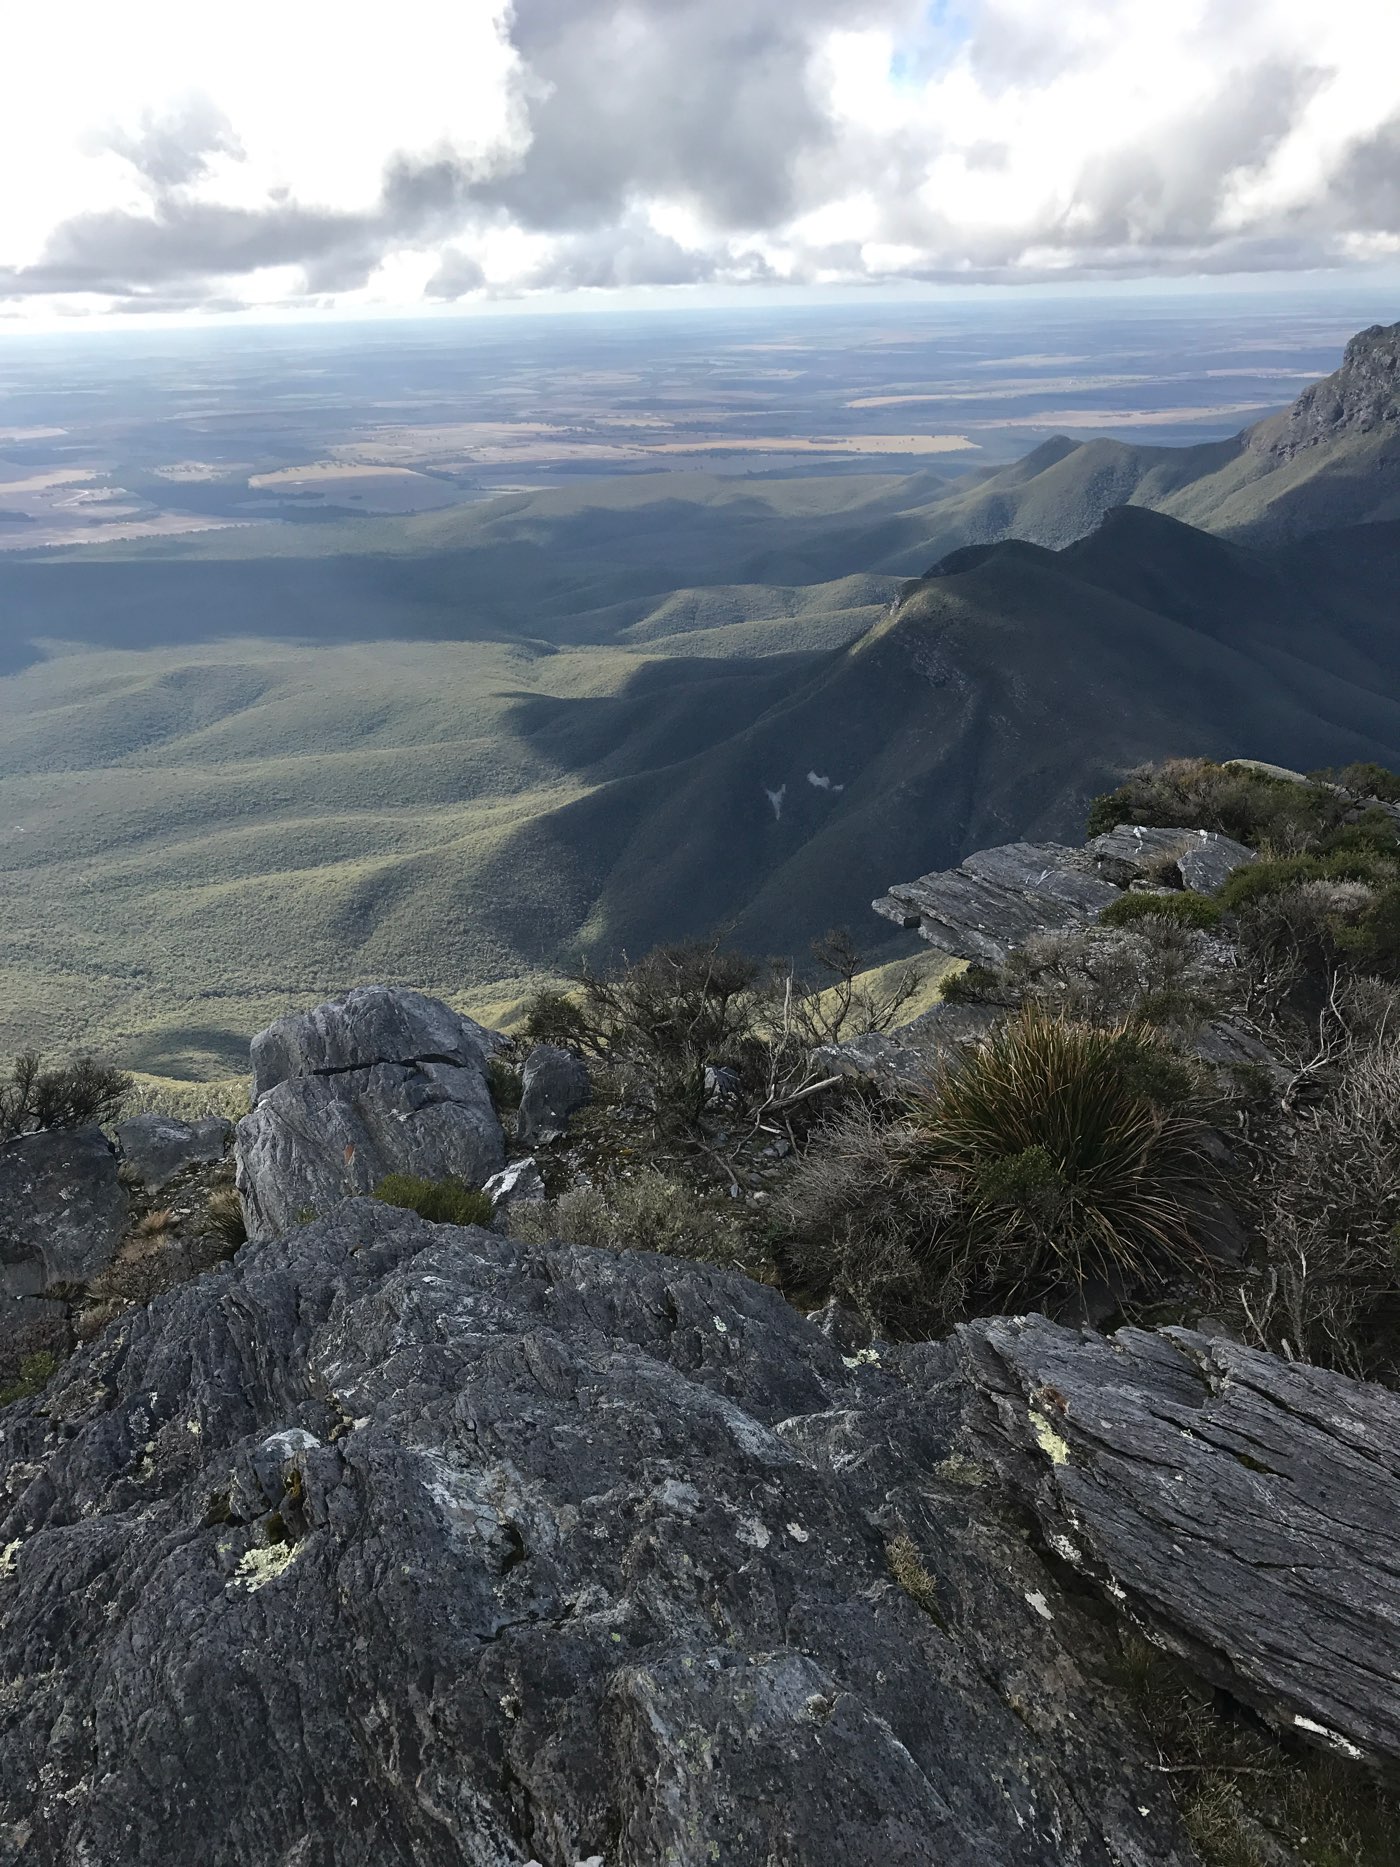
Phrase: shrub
pixel 649 1211
pixel 1270 876
pixel 554 1017
pixel 441 1202
pixel 974 984
pixel 1198 794
pixel 1156 971
pixel 1329 1211
pixel 70 1096
pixel 1186 908
pixel 1363 780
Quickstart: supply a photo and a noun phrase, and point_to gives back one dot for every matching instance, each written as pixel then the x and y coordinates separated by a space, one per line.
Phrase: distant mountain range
pixel 468 747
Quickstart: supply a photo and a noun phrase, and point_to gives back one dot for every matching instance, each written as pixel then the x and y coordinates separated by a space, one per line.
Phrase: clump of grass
pixel 1049 1153
pixel 1185 907
pixel 1066 1146
pixel 441 1202
pixel 907 1568
pixel 223 1218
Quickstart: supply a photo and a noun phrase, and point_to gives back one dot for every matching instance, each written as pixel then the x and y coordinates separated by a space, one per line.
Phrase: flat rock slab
pixel 1241 1507
pixel 999 898
pixel 402 1543
pixel 63 1209
pixel 154 1148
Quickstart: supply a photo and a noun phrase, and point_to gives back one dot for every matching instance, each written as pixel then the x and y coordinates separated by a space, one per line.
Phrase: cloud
pixel 564 145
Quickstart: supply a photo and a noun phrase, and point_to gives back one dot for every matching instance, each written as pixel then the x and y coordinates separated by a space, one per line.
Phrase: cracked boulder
pixel 1241 1508
pixel 401 1543
pixel 1202 860
pixel 382 1080
pixel 554 1085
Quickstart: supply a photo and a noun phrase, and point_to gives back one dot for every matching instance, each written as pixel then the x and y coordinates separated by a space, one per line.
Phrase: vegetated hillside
pixel 195 840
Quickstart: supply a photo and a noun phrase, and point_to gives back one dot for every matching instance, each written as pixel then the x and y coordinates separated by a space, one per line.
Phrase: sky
pixel 177 158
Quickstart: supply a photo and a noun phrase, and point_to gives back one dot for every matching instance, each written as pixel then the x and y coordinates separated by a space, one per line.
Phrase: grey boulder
pixel 63 1209
pixel 333 1116
pixel 554 1086
pixel 400 1543
pixel 154 1148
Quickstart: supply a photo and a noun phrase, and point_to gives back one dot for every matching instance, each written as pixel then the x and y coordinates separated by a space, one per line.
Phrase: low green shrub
pixel 1186 908
pixel 35 1372
pixel 1363 780
pixel 648 1211
pixel 1059 1136
pixel 1270 875
pixel 441 1202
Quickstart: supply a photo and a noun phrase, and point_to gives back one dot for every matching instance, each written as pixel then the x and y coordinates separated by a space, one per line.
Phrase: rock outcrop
pixel 400 1543
pixel 998 899
pixel 1361 397
pixel 383 1080
pixel 1240 1507
pixel 155 1148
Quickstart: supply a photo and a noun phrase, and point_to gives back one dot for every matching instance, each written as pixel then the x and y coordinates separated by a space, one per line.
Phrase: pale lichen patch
pixel 1052 1444
pixel 7 1557
pixel 258 1567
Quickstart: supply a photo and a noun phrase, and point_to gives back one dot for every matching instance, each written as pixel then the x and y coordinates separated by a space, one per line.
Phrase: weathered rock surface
pixel 519 1184
pixel 395 1543
pixel 62 1209
pixel 383 1080
pixel 1240 1506
pixel 554 1086
pixel 999 898
pixel 154 1148
pixel 908 1055
pixel 1202 860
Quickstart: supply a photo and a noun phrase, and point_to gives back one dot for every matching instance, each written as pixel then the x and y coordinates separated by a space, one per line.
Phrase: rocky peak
pixel 1359 398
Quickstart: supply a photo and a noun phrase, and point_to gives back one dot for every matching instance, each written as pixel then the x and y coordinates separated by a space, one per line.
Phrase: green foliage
pixel 35 1372
pixel 1363 780
pixel 555 1017
pixel 69 1096
pixel 441 1202
pixel 506 1084
pixel 1252 806
pixel 974 984
pixel 223 1217
pixel 1186 907
pixel 1048 1153
pixel 1272 875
